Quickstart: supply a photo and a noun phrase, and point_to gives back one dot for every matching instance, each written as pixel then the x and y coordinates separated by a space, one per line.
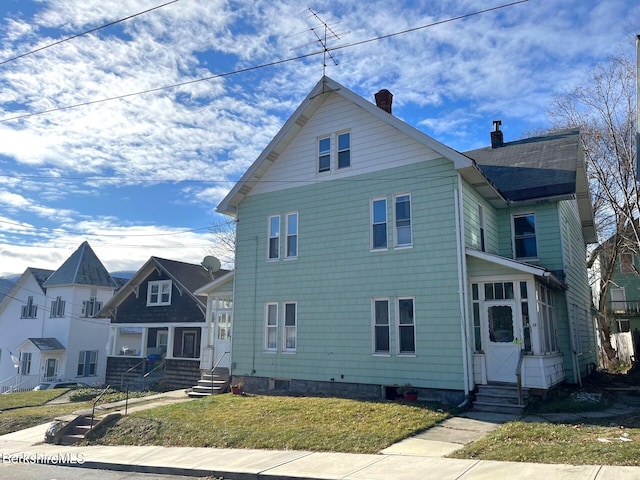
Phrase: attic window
pixel 324 154
pixel 159 293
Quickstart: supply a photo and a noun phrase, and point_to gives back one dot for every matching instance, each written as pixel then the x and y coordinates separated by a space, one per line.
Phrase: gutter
pixel 462 284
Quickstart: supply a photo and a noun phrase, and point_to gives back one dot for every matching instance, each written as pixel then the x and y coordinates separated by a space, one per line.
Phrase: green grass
pixel 572 401
pixel 557 443
pixel 28 399
pixel 26 417
pixel 274 422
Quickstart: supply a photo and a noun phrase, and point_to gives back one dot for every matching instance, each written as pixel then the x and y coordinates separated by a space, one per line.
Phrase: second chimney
pixel 497 139
pixel 384 99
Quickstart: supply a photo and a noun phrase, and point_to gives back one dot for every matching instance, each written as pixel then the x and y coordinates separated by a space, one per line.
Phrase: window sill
pixel 383 355
pixel 407 355
pixel 288 352
pixel 374 250
pixel 403 247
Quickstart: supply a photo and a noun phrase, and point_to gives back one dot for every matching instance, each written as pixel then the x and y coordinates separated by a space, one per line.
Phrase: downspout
pixel 462 283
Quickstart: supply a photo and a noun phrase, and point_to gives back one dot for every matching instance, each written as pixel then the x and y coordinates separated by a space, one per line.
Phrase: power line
pixel 69 232
pixel 256 67
pixel 85 33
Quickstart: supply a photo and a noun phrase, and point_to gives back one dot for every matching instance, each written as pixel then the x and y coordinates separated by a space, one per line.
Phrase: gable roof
pixel 83 267
pixel 187 277
pixel 38 274
pixel 299 118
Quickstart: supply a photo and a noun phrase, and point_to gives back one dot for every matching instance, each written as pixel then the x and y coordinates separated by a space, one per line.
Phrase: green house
pixel 371 256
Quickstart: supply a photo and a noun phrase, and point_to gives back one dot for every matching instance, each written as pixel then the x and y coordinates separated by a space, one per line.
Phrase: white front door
pixel 502 337
pixel 223 340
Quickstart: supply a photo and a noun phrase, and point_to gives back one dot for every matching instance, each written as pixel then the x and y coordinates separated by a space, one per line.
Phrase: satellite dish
pixel 211 263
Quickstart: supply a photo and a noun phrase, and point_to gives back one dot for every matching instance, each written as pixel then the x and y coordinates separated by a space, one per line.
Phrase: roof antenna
pixel 323 38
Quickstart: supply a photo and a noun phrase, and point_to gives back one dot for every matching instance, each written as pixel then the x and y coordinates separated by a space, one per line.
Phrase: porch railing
pixel 214 368
pixel 19 383
pixel 624 307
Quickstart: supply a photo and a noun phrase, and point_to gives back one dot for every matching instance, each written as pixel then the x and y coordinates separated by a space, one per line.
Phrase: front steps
pixel 499 398
pixel 211 384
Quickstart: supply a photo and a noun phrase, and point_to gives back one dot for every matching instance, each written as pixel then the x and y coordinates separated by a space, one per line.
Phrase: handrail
pixel 161 364
pixel 93 410
pixel 519 378
pixel 130 370
pixel 214 367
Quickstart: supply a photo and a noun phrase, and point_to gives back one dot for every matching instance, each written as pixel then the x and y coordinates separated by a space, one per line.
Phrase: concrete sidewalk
pixel 418 457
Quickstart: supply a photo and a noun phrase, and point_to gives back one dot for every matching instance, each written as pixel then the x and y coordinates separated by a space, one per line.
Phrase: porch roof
pixel 49 344
pixel 541 272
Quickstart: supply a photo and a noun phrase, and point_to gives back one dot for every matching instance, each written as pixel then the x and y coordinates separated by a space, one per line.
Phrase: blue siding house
pixel 371 256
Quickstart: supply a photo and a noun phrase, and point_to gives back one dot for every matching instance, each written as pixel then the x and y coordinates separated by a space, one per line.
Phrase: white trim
pixel 270 237
pixel 372 224
pixel 160 284
pixel 287 235
pixel 513 235
pixel 374 324
pixel 508 262
pixel 395 221
pixel 266 327
pixel 415 336
pixel 284 327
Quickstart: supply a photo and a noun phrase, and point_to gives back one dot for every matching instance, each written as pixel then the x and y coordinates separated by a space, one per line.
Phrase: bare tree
pixel 603 107
pixel 224 243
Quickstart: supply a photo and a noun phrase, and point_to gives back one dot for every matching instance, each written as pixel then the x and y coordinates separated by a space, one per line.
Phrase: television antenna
pixel 324 32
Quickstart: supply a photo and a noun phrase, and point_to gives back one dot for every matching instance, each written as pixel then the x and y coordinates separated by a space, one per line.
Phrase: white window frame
pixel 271 327
pixel 29 310
pixel 514 238
pixel 273 237
pixel 25 363
pixel 321 154
pixel 400 326
pixel 90 307
pixel 626 266
pixel 290 236
pixel 375 325
pixel 288 328
pixel 395 221
pixel 57 308
pixel 372 245
pixel 85 358
pixel 161 284
pixel 342 150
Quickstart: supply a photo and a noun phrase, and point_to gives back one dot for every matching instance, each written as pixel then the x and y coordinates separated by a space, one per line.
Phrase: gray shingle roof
pixel 83 267
pixel 537 167
pixel 40 274
pixel 188 274
pixel 47 343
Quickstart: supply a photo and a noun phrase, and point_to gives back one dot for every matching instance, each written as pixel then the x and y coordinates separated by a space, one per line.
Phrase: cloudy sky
pixel 141 175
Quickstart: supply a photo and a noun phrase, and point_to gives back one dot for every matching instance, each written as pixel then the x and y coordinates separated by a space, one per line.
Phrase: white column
pixel 170 333
pixel 143 342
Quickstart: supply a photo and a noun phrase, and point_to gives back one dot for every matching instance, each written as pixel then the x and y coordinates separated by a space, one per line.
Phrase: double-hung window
pixel 290 326
pixel 90 307
pixel 481 227
pixel 25 363
pixel 378 223
pixel 403 234
pixel 271 327
pixel 274 237
pixel 29 310
pixel 292 235
pixel 159 293
pixel 381 326
pixel 344 150
pixel 406 326
pixel 324 154
pixel 87 362
pixel 524 236
pixel 57 308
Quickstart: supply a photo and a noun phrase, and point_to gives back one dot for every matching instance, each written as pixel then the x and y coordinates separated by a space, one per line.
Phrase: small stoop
pixel 497 398
pixel 211 384
pixel 80 430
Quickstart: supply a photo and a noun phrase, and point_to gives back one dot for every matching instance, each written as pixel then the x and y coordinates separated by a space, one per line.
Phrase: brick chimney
pixel 384 99
pixel 497 139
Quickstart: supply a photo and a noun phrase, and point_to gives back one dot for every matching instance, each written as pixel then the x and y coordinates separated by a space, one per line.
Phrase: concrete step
pixel 495 407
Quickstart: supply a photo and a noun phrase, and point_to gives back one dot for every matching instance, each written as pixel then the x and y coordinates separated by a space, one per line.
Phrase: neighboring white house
pixel 47 324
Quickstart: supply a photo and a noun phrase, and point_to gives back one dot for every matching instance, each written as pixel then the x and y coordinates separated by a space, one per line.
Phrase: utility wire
pixel 256 67
pixel 85 33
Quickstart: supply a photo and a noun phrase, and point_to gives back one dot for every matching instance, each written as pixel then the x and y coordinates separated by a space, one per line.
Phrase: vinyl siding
pixel 335 277
pixel 471 200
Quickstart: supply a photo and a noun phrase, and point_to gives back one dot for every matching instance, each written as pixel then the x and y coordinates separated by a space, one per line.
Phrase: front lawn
pixel 275 422
pixel 28 399
pixel 21 418
pixel 558 443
